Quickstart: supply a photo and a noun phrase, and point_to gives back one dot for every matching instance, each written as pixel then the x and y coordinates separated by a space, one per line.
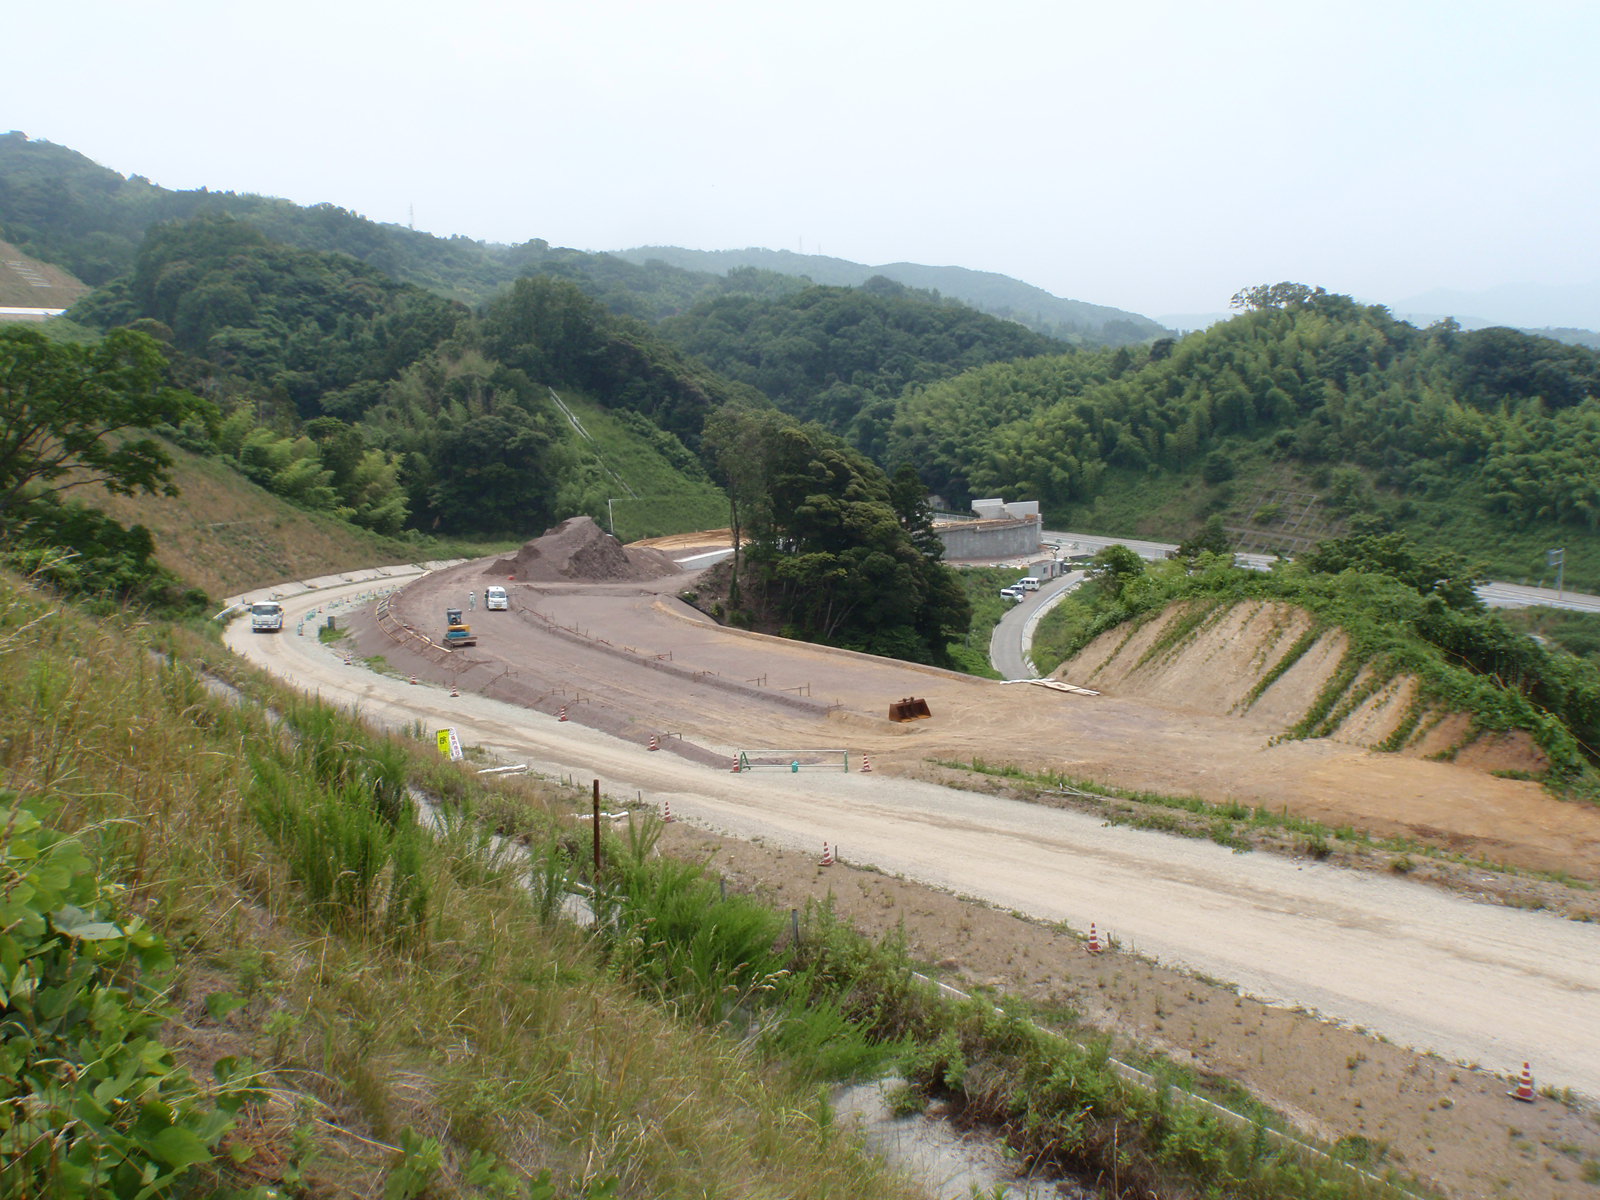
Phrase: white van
pixel 494 599
pixel 1027 583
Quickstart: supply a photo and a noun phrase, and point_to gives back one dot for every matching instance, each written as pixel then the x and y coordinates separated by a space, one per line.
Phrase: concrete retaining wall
pixel 990 539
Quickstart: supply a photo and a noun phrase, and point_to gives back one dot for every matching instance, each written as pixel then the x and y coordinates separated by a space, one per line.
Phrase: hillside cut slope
pixel 1275 666
pixel 26 282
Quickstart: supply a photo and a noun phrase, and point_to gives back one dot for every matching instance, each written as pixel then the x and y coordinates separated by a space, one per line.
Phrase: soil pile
pixel 579 551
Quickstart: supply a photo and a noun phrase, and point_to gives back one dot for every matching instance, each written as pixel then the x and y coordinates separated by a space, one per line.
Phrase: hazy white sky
pixel 1156 156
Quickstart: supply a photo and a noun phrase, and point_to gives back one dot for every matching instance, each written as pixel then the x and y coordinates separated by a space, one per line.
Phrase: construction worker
pixel 472 599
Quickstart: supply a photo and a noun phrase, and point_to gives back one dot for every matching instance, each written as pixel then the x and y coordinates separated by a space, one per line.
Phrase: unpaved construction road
pixel 1476 983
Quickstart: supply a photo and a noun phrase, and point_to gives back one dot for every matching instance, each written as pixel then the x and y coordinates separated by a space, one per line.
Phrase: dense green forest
pixel 387 404
pixel 1073 321
pixel 832 550
pixel 1425 427
pixel 61 207
pixel 841 356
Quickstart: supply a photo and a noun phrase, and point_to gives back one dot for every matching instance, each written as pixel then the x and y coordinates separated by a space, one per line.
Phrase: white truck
pixel 266 616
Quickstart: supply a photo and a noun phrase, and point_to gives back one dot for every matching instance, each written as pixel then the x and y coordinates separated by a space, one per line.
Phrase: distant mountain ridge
pixel 1532 306
pixel 60 207
pixel 988 291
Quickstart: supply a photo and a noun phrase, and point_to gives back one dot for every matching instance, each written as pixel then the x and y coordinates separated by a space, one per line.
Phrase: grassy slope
pixel 226 535
pixel 982 586
pixel 494 1031
pixel 666 502
pixel 1170 506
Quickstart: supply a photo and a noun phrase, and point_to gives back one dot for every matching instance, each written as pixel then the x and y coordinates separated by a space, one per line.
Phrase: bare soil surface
pixel 1443 1122
pixel 630 660
pixel 1217 667
pixel 633 659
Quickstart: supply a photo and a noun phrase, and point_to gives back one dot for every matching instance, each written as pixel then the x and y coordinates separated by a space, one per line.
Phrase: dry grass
pixel 498 1035
pixel 225 535
pixel 25 282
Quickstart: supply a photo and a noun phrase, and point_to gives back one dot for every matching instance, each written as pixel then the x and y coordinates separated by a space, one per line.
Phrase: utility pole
pixel 597 834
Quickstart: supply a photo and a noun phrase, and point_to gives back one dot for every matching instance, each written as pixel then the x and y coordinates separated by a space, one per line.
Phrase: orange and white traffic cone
pixel 655 742
pixel 827 855
pixel 563 714
pixel 1095 946
pixel 666 812
pixel 453 691
pixel 348 660
pixel 413 679
pixel 866 765
pixel 1524 1088
pixel 735 764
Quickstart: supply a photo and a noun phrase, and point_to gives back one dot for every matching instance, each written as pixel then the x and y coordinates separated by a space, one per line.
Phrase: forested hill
pixel 1074 321
pixel 841 356
pixel 63 208
pixel 1488 441
pixel 388 405
pixel 60 206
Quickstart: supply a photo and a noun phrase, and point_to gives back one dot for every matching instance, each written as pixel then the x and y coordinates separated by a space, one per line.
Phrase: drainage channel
pixel 952 1164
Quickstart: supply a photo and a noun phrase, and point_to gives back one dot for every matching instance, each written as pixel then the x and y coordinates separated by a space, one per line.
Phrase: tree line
pixel 1318 379
pixel 331 385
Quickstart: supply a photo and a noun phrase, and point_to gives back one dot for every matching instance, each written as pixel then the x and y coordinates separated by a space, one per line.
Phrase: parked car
pixel 494 599
pixel 1027 583
pixel 1014 594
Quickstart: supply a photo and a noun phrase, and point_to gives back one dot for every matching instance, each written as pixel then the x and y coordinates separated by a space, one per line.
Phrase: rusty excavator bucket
pixel 913 708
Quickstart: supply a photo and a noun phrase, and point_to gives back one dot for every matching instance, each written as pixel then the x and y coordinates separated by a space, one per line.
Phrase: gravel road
pixel 1476 983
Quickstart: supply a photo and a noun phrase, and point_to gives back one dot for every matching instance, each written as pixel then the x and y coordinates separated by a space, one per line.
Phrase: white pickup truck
pixel 266 616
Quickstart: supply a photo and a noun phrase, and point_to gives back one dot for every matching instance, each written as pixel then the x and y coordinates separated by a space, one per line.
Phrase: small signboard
pixel 450 745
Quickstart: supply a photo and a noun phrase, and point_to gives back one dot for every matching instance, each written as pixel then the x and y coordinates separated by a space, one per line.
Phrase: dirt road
pixel 1476 983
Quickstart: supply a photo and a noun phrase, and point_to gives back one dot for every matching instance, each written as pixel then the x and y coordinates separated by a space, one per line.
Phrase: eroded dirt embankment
pixel 1273 666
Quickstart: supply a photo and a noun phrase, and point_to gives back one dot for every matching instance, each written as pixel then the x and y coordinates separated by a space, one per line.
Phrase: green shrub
pixel 92 1103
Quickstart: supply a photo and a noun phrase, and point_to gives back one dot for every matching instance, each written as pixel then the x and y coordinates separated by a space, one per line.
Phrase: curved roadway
pixel 1476 983
pixel 1011 644
pixel 1495 595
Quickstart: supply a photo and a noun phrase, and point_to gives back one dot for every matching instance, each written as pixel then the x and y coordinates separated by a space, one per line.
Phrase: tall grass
pixel 513 1042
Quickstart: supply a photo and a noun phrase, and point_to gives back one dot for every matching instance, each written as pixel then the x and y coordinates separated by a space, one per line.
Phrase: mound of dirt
pixel 579 551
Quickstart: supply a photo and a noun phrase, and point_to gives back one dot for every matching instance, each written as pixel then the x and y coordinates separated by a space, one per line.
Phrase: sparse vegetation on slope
pixel 1398 613
pixel 356 991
